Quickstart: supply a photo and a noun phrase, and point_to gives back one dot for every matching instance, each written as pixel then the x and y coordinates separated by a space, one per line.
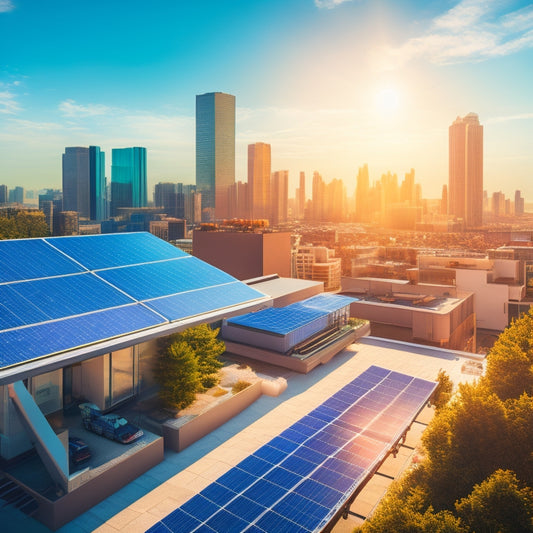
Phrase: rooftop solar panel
pixel 62 293
pixel 32 342
pixel 31 259
pixel 153 280
pixel 302 478
pixel 118 249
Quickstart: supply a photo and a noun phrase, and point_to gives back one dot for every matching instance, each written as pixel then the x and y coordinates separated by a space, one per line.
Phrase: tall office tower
pixel 4 194
pixel 84 187
pixel 408 189
pixel 215 152
pixel 466 170
pixel 362 204
pixel 259 180
pixel 128 178
pixel 318 197
pixel 444 201
pixel 518 203
pixel 279 194
pixel 300 197
pixel 498 204
pixel 192 204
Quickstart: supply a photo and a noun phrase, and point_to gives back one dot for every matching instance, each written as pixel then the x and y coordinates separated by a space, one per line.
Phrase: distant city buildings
pixel 84 185
pixel 128 178
pixel 318 263
pixel 465 186
pixel 215 152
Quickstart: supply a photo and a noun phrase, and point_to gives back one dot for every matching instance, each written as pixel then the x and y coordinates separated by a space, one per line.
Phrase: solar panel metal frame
pixel 303 468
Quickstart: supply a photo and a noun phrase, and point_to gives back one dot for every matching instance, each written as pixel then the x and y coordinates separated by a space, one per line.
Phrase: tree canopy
pixel 23 225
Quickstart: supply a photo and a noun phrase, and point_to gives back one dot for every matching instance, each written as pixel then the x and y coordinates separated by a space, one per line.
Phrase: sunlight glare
pixel 387 100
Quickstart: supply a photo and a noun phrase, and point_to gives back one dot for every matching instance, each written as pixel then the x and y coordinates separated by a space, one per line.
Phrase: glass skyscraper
pixel 215 152
pixel 128 178
pixel 84 187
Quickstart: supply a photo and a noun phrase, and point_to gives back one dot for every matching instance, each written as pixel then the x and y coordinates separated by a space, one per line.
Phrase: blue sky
pixel 330 84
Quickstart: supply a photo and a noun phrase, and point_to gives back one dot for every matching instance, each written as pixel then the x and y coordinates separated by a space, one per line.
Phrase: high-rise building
pixel 259 180
pixel 300 197
pixel 215 152
pixel 84 187
pixel 51 204
pixel 4 194
pixel 518 203
pixel 279 194
pixel 128 178
pixel 362 203
pixel 465 191
pixel 16 195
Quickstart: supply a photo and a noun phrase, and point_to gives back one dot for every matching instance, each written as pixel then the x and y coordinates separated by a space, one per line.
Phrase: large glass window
pixel 122 375
pixel 47 390
pixel 529 278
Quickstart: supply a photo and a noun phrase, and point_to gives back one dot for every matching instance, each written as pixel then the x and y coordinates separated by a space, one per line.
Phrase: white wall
pixel 490 300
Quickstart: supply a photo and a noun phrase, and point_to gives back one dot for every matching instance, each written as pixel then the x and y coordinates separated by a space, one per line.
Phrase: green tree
pixel 498 504
pixel 178 375
pixel 510 361
pixel 520 436
pixel 444 389
pixel 405 510
pixel 24 224
pixel 208 349
pixel 465 443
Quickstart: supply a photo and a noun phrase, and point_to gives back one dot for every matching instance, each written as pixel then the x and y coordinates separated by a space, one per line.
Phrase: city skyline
pixel 349 83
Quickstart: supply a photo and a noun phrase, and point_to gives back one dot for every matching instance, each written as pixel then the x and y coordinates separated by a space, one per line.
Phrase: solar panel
pixel 20 345
pixel 117 249
pixel 62 293
pixel 153 280
pixel 32 259
pixel 303 477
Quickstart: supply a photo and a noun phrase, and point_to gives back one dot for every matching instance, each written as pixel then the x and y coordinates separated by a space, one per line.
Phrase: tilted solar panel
pixel 118 249
pixel 153 280
pixel 23 344
pixel 31 259
pixel 302 478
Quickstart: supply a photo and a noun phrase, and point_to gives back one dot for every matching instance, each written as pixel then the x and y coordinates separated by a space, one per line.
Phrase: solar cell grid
pixel 321 464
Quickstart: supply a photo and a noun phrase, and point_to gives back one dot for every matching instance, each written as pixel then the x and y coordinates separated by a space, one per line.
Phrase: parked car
pixel 112 426
pixel 78 451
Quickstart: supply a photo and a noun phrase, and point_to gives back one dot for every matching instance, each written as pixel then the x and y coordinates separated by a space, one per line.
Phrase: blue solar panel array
pixel 283 320
pixel 301 479
pixel 61 293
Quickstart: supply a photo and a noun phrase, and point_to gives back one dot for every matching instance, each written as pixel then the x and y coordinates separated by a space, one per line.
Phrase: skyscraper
pixel 259 180
pixel 465 190
pixel 279 194
pixel 215 152
pixel 128 178
pixel 362 200
pixel 84 188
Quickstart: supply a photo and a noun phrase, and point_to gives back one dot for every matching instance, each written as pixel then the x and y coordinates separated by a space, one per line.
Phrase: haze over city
pixel 330 84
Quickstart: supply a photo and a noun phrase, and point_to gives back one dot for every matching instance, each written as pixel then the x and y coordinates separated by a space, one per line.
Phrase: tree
pixel 498 504
pixel 405 510
pixel 444 389
pixel 178 375
pixel 24 224
pixel 465 443
pixel 203 340
pixel 510 361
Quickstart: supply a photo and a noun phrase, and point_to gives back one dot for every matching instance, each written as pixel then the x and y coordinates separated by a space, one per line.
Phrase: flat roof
pixel 182 475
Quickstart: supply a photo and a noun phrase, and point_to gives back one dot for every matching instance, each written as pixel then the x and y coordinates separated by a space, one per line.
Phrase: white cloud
pixel 6 5
pixel 70 108
pixel 521 116
pixel 473 30
pixel 8 103
pixel 329 4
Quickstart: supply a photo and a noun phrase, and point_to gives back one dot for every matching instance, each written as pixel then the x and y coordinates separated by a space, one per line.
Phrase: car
pixel 112 426
pixel 78 451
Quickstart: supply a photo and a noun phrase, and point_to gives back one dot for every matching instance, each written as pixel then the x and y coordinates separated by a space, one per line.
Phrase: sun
pixel 387 100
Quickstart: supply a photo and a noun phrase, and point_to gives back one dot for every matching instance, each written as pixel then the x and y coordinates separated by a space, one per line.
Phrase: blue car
pixel 112 426
pixel 78 451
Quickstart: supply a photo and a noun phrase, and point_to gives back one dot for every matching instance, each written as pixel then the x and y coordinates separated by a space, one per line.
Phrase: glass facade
pixel 215 151
pixel 97 183
pixel 128 178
